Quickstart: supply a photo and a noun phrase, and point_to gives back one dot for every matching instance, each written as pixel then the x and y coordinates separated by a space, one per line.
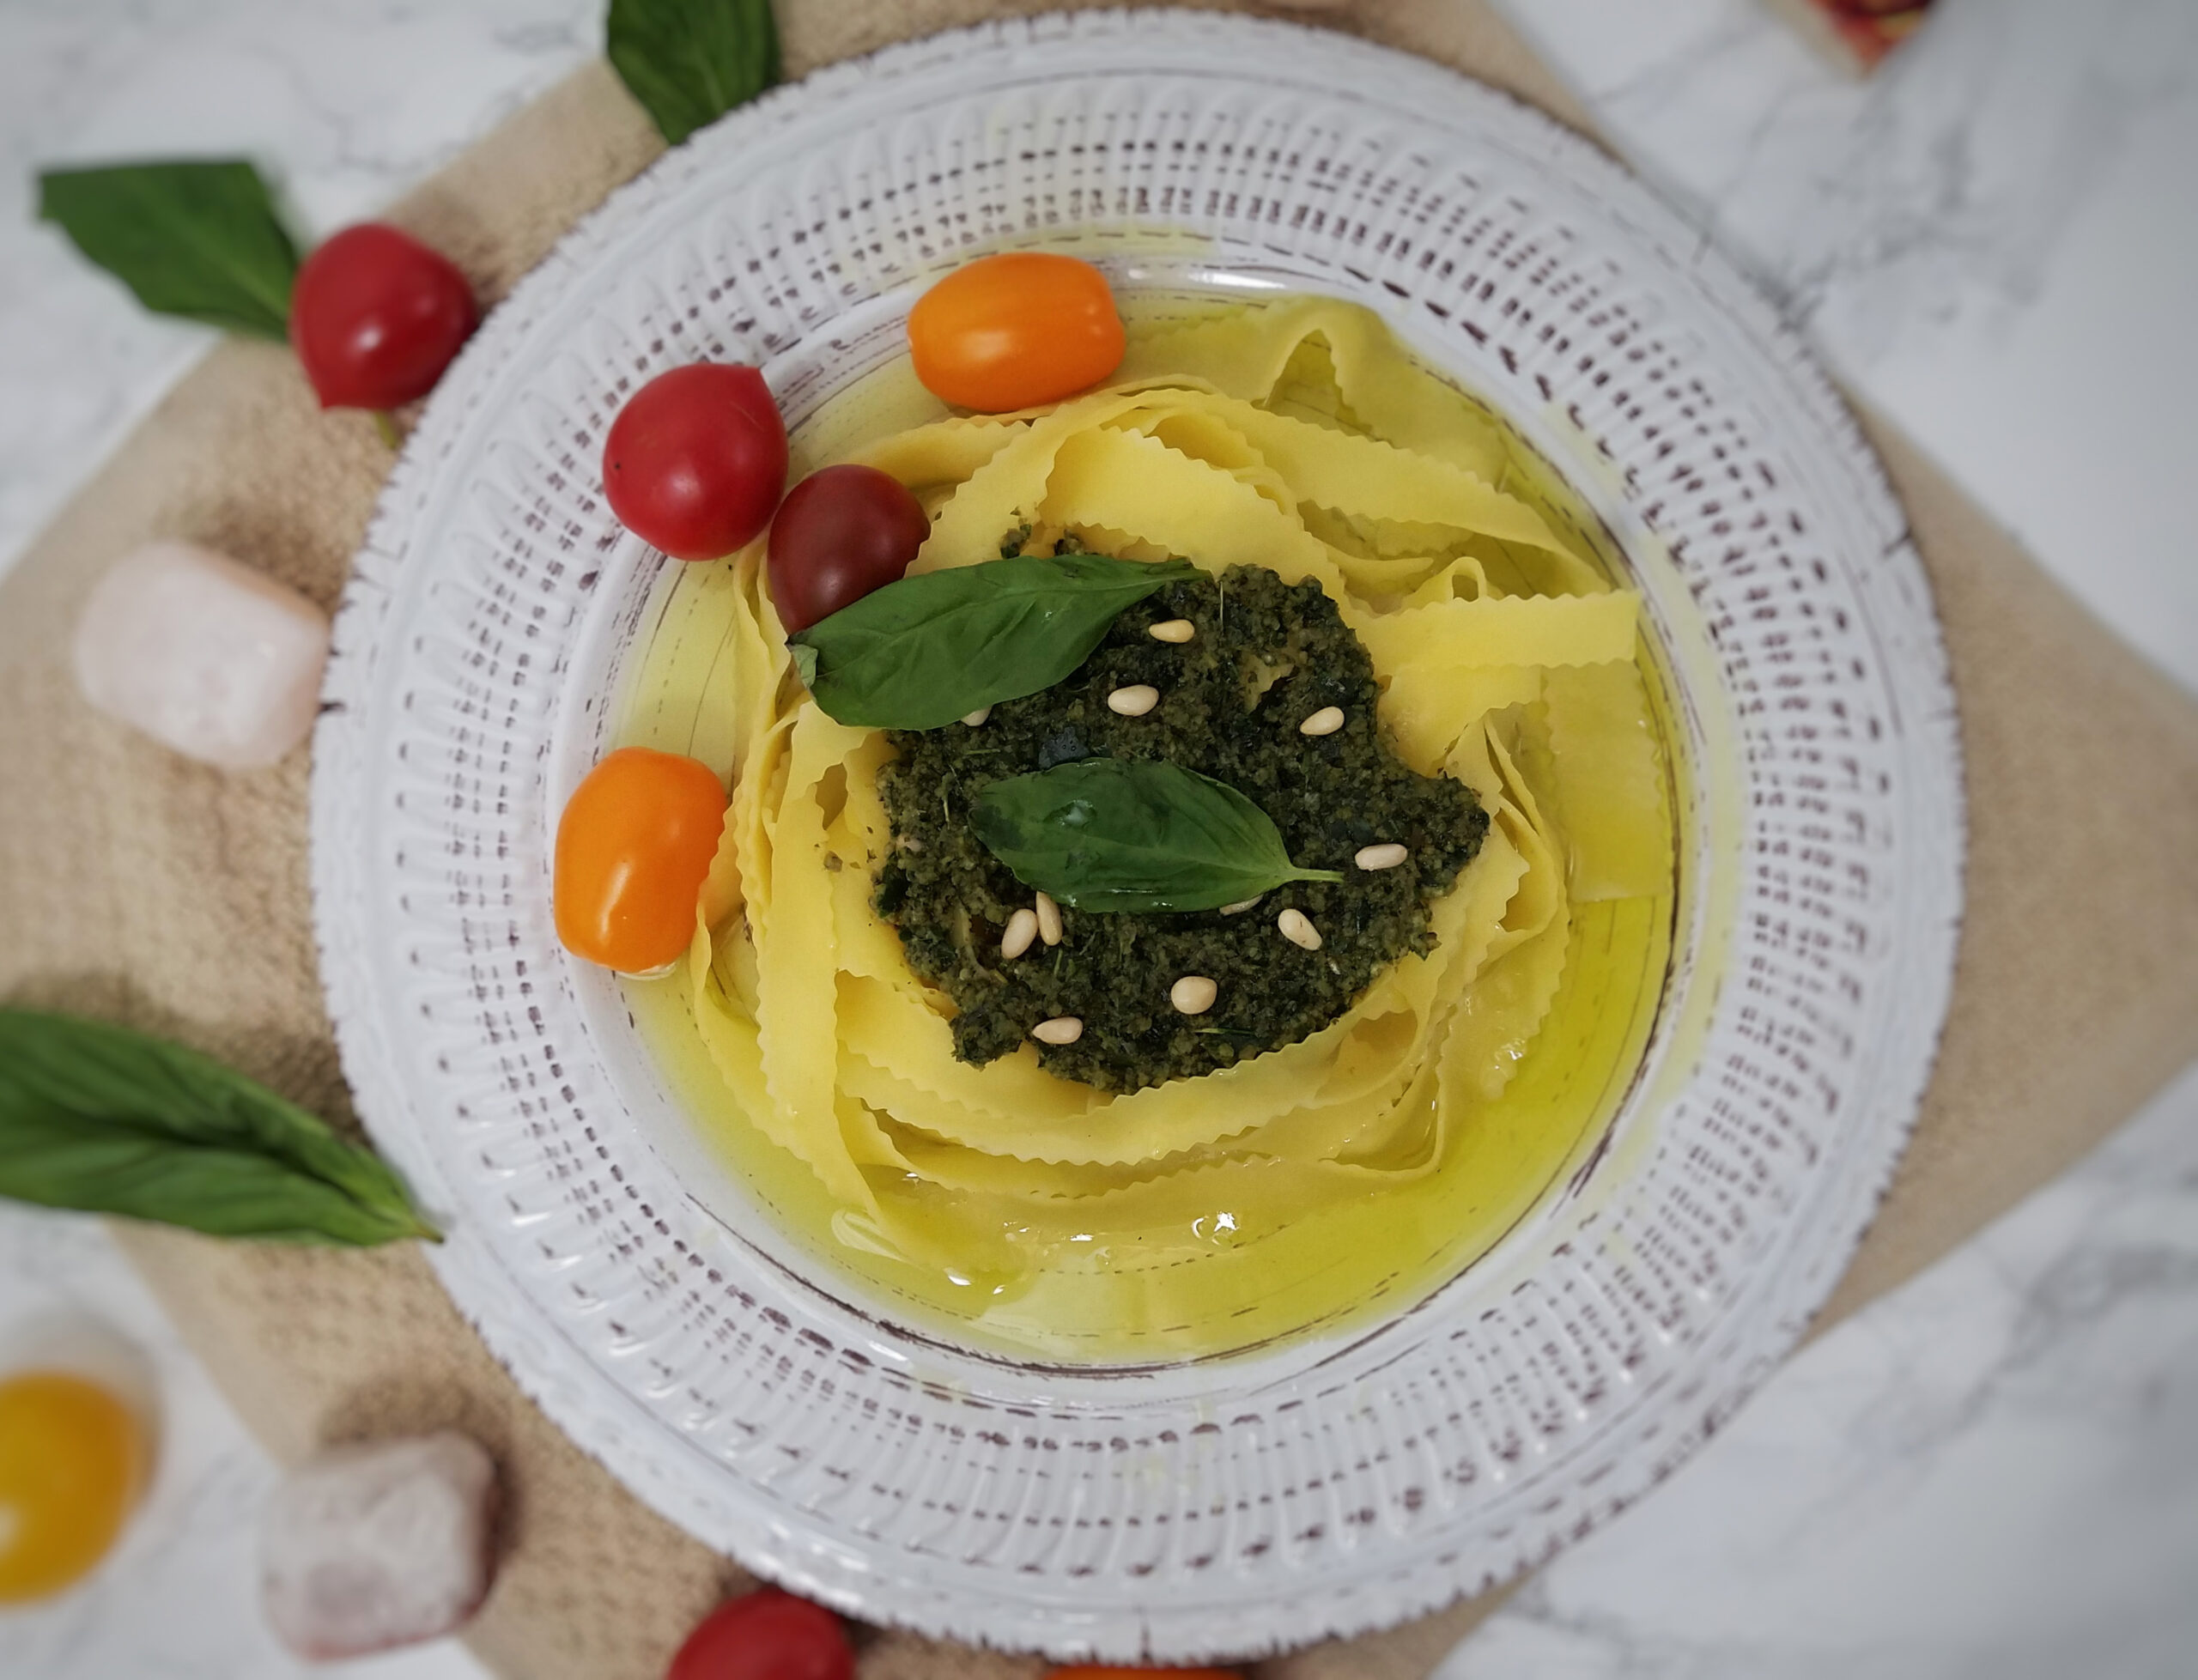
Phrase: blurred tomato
pixel 765 1636
pixel 696 460
pixel 376 316
pixel 1015 330
pixel 841 533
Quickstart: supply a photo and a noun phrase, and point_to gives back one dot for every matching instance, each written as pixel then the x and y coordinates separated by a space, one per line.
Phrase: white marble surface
pixel 1993 1472
pixel 343 103
pixel 1995 238
pixel 178 1598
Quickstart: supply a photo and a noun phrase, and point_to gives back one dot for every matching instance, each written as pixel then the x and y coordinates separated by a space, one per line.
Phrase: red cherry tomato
pixel 1015 330
pixel 696 460
pixel 376 316
pixel 633 847
pixel 841 532
pixel 767 1635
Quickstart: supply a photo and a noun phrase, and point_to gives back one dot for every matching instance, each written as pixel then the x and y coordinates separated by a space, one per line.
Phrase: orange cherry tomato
pixel 72 1459
pixel 1143 1674
pixel 1015 330
pixel 633 848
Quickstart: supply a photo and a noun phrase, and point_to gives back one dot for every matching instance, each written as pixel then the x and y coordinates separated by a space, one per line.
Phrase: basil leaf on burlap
pixel 1134 835
pixel 108 1121
pixel 688 61
pixel 200 239
pixel 924 651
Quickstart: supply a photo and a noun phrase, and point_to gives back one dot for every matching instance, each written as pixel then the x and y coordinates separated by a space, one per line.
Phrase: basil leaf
pixel 1110 834
pixel 199 239
pixel 688 61
pixel 921 652
pixel 107 1120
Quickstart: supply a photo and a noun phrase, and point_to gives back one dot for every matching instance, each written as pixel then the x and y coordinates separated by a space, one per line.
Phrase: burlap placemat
pixel 138 887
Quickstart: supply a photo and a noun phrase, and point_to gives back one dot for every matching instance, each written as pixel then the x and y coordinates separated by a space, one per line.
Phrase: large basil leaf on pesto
pixel 921 652
pixel 107 1120
pixel 196 239
pixel 688 61
pixel 1134 835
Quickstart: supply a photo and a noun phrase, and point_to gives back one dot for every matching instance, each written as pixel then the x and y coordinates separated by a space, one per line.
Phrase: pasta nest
pixel 1299 438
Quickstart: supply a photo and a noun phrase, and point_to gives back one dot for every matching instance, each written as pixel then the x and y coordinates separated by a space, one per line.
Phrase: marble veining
pixel 1878 209
pixel 1993 239
pixel 1994 1471
pixel 343 103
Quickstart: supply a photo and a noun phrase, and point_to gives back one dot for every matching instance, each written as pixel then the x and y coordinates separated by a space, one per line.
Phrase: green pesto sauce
pixel 1267 655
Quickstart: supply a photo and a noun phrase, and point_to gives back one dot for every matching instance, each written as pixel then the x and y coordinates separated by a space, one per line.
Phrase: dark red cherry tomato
pixel 696 460
pixel 841 532
pixel 767 1635
pixel 376 316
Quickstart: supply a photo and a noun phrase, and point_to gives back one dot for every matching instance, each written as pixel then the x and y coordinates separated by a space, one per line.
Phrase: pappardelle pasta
pixel 1316 1182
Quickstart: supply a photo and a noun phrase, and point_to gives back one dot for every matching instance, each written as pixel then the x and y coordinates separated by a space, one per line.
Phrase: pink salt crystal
pixel 204 655
pixel 385 1544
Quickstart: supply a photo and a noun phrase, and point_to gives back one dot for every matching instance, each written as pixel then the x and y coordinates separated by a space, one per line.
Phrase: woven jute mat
pixel 140 888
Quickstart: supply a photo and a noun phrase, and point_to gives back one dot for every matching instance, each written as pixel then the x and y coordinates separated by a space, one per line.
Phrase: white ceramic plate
pixel 1333 1484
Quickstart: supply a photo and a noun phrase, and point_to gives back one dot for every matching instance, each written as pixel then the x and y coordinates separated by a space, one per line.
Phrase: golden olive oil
pixel 1223 1257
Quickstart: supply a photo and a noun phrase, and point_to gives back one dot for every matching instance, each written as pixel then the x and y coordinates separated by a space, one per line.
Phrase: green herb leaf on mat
pixel 107 1120
pixel 921 652
pixel 199 239
pixel 1134 835
pixel 688 61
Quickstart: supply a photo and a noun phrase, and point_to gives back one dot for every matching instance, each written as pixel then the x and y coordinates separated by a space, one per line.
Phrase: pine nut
pixel 1241 906
pixel 1172 629
pixel 1021 929
pixel 1296 927
pixel 1326 721
pixel 1049 920
pixel 1135 701
pixel 978 716
pixel 1193 994
pixel 1386 856
pixel 1061 1030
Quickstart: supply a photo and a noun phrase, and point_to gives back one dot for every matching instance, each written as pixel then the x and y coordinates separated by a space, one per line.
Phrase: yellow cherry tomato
pixel 633 848
pixel 72 1459
pixel 1015 330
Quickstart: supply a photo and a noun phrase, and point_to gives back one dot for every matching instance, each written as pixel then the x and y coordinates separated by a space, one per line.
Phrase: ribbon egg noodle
pixel 1341 1177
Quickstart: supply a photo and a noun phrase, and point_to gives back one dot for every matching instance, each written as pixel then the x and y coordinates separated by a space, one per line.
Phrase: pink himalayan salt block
pixel 204 654
pixel 371 1547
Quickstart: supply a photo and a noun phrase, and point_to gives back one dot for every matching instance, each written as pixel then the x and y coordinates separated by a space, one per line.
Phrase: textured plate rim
pixel 494 1301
